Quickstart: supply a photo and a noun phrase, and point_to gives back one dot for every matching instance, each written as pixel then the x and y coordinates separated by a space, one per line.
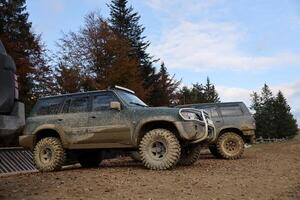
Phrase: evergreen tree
pixel 165 88
pixel 25 48
pixel 286 124
pixel 125 22
pixel 272 115
pixel 211 95
pixel 199 93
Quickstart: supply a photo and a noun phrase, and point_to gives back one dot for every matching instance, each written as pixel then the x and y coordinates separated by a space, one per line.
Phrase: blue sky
pixel 239 44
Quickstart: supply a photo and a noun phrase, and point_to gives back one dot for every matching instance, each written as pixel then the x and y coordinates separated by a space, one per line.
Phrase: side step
pixel 16 160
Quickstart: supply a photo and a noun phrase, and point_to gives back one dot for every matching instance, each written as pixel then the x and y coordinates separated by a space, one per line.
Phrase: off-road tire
pixel 90 159
pixel 135 155
pixel 190 154
pixel 214 151
pixel 230 146
pixel 159 149
pixel 49 154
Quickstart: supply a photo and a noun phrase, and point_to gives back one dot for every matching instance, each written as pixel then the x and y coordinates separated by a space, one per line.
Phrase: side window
pixel 66 107
pixel 213 112
pixel 231 110
pixel 102 101
pixel 78 104
pixel 48 106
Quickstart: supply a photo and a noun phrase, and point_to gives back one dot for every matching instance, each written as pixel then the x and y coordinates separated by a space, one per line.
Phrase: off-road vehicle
pixel 12 113
pixel 234 125
pixel 85 125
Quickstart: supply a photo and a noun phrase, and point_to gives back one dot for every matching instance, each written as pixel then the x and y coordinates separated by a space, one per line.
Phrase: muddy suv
pixel 88 124
pixel 234 125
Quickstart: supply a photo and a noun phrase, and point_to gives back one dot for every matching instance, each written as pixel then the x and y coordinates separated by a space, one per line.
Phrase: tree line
pixel 105 52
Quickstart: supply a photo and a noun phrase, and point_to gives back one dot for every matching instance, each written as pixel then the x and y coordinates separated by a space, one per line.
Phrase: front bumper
pixel 195 131
pixel 27 141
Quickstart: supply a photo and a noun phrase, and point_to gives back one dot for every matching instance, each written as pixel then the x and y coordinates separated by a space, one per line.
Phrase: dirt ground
pixel 268 171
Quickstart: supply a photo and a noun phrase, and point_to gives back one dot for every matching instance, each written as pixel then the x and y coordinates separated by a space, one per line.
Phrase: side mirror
pixel 115 105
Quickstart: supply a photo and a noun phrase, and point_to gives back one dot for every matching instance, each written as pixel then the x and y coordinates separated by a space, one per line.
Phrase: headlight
pixel 189 115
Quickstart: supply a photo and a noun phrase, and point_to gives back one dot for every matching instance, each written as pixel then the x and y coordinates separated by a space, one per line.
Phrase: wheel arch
pixel 159 124
pixel 47 131
pixel 233 130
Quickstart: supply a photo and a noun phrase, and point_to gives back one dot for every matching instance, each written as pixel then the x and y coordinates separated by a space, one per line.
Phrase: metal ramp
pixel 15 160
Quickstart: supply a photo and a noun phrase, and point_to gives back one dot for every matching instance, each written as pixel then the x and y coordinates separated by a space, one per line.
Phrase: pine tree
pixel 199 93
pixel 272 115
pixel 165 88
pixel 125 22
pixel 211 95
pixel 25 48
pixel 286 124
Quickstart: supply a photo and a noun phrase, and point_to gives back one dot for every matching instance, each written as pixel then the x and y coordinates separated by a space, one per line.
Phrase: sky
pixel 239 45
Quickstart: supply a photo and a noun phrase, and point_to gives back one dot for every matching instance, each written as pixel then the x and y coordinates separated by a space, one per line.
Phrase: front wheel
pixel 49 154
pixel 159 149
pixel 190 154
pixel 230 146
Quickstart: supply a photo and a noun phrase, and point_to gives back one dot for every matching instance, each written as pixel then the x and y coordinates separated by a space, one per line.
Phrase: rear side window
pixel 48 106
pixel 78 104
pixel 231 110
pixel 212 111
pixel 102 101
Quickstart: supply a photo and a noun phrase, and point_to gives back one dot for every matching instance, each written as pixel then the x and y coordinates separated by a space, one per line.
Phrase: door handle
pixel 218 121
pixel 93 117
pixel 60 120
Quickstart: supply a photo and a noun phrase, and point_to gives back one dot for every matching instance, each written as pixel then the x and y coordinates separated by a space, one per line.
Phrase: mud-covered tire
pixel 135 155
pixel 49 154
pixel 230 146
pixel 159 149
pixel 190 154
pixel 214 151
pixel 90 159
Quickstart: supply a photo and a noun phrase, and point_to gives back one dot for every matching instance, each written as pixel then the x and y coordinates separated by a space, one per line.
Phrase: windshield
pixel 131 99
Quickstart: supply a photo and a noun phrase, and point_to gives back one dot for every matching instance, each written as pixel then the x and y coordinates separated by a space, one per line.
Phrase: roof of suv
pixel 91 92
pixel 207 104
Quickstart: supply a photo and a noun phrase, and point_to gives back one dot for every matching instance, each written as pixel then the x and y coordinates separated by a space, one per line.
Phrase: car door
pixel 74 119
pixel 109 126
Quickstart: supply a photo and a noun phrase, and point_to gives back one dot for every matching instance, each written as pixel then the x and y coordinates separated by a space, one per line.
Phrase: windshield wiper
pixel 138 104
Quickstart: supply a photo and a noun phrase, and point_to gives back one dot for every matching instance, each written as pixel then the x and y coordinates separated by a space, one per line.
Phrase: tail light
pixel 16 87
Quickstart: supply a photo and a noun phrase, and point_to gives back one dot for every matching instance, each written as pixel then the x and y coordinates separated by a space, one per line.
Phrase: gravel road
pixel 266 171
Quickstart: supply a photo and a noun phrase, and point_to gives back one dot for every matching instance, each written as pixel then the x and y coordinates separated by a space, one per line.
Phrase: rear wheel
pixel 159 149
pixel 230 146
pixel 90 159
pixel 190 154
pixel 49 154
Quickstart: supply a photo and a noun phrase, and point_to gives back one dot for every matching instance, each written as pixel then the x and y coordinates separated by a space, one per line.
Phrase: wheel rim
pixel 158 150
pixel 231 146
pixel 46 155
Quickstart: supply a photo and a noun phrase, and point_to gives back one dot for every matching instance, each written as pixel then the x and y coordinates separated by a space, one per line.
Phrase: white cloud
pixel 190 5
pixel 207 45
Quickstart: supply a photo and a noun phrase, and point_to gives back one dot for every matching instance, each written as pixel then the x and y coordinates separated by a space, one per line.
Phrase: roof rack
pixel 121 88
